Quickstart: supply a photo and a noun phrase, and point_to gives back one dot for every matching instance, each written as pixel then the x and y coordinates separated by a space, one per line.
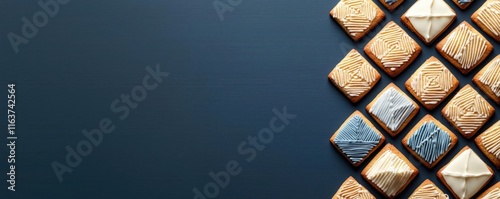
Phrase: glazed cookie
pixel 351 189
pixel 429 141
pixel 427 23
pixel 389 171
pixel 491 193
pixel 391 4
pixel 431 83
pixel 487 18
pixel 357 17
pixel 465 174
pixel 392 49
pixel 489 143
pixel 463 4
pixel 357 138
pixel 392 109
pixel 354 76
pixel 468 111
pixel 428 190
pixel 488 79
pixel 464 47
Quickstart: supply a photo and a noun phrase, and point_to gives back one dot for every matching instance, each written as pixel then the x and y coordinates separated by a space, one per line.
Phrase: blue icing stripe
pixel 356 139
pixel 429 141
pixel 462 2
pixel 390 2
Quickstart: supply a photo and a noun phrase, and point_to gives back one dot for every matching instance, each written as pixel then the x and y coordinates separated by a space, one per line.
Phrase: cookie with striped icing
pixel 489 143
pixel 428 190
pixel 391 4
pixel 491 193
pixel 488 19
pixel 463 4
pixel 357 17
pixel 488 79
pixel 351 189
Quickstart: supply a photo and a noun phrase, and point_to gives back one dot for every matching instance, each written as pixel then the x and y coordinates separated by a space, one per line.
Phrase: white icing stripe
pixel 491 140
pixel 355 15
pixel 432 83
pixel 392 46
pixel 390 173
pixel 489 15
pixel 491 77
pixel 430 17
pixel 351 189
pixel 494 194
pixel 392 108
pixel 428 191
pixel 354 74
pixel 465 46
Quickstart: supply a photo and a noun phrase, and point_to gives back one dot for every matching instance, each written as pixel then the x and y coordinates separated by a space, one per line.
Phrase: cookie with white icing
pixel 489 143
pixel 389 171
pixel 351 189
pixel 391 4
pixel 491 193
pixel 468 111
pixel 488 19
pixel 428 19
pixel 488 79
pixel 357 138
pixel 464 47
pixel 392 49
pixel 431 83
pixel 354 76
pixel 392 109
pixel 428 190
pixel 357 17
pixel 463 4
pixel 465 174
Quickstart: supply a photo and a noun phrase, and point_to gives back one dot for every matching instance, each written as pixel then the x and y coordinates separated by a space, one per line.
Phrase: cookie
pixel 357 17
pixel 354 76
pixel 392 109
pixel 391 4
pixel 467 111
pixel 488 79
pixel 431 83
pixel 487 18
pixel 389 171
pixel 464 47
pixel 392 49
pixel 428 190
pixel 427 23
pixel 429 141
pixel 463 4
pixel 465 174
pixel 488 143
pixel 352 189
pixel 491 193
pixel 357 138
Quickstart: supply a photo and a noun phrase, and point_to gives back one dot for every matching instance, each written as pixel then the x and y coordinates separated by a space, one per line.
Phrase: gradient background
pixel 225 78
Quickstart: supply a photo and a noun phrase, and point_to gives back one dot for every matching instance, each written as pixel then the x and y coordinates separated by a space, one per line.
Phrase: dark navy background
pixel 225 79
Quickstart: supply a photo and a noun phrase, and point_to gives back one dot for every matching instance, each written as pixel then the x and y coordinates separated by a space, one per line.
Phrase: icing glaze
pixel 465 46
pixel 355 15
pixel 354 75
pixel 491 77
pixel 430 22
pixel 428 191
pixel 489 15
pixel 392 46
pixel 468 110
pixel 432 82
pixel 390 173
pixel 352 189
pixel 491 140
pixel 429 141
pixel 493 194
pixel 356 139
pixel 392 108
pixel 390 2
pixel 466 174
pixel 462 2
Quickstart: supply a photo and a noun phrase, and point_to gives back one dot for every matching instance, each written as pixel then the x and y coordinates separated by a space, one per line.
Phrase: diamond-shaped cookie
pixel 391 4
pixel 357 138
pixel 488 143
pixel 351 189
pixel 467 111
pixel 357 17
pixel 428 190
pixel 487 18
pixel 491 193
pixel 463 4
pixel 354 76
pixel 488 79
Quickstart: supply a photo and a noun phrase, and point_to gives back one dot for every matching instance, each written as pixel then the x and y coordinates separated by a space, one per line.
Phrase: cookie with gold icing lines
pixel 489 143
pixel 429 141
pixel 488 19
pixel 491 193
pixel 391 4
pixel 468 111
pixel 431 83
pixel 392 49
pixel 465 174
pixel 389 171
pixel 464 47
pixel 351 189
pixel 354 76
pixel 357 17
pixel 357 138
pixel 428 190
pixel 488 79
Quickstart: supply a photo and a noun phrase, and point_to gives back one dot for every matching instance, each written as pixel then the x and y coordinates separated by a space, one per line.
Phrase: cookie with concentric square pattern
pixel 428 190
pixel 351 189
pixel 357 17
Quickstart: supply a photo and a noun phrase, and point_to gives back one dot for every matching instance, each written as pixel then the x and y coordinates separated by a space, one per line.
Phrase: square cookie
pixel 463 4
pixel 465 174
pixel 464 47
pixel 428 19
pixel 357 138
pixel 487 18
pixel 428 190
pixel 468 111
pixel 351 189
pixel 357 17
pixel 389 171
pixel 392 109
pixel 491 193
pixel 429 141
pixel 488 142
pixel 431 83
pixel 391 4
pixel 392 49
pixel 354 76
pixel 488 79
